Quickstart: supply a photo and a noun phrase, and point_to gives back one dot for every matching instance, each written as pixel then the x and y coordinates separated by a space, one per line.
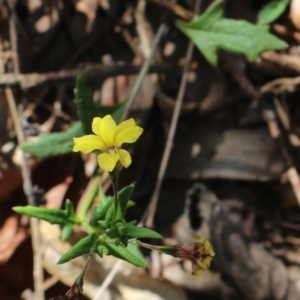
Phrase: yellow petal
pixel 107 130
pixel 96 125
pixel 128 135
pixel 114 153
pixel 125 124
pixel 124 158
pixel 87 144
pixel 197 270
pixel 106 162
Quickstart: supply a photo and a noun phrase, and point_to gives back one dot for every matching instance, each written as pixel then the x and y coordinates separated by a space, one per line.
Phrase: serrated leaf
pixel 53 144
pixel 66 231
pixel 87 109
pixel 132 231
pixel 124 195
pixel 84 246
pixel 51 215
pixel 124 253
pixel 212 32
pixel 271 11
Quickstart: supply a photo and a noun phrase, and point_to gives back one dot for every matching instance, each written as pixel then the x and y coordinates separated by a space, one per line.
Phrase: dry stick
pixel 141 76
pixel 166 155
pixel 293 176
pixel 99 71
pixel 109 278
pixel 176 9
pixel 292 172
pixel 38 275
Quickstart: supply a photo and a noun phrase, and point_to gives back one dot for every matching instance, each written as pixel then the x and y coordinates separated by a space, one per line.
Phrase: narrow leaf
pixel 53 144
pixel 99 212
pixel 140 232
pixel 51 215
pixel 66 231
pixel 271 11
pixel 124 253
pixel 84 246
pixel 88 109
pixel 124 195
pixel 212 32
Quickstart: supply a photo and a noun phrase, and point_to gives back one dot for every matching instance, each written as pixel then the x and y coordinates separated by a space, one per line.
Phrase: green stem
pixel 90 197
pixel 114 176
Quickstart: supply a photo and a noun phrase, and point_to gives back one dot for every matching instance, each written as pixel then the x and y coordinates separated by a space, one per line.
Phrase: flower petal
pixel 96 125
pixel 107 130
pixel 106 162
pixel 128 135
pixel 125 158
pixel 197 270
pixel 88 143
pixel 125 124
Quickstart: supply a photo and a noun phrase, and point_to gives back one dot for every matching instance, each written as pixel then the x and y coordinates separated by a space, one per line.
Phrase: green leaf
pixel 113 231
pixel 51 215
pixel 123 253
pixel 271 11
pixel 53 144
pixel 211 32
pixel 88 109
pixel 124 195
pixel 132 231
pixel 84 246
pixel 66 231
pixel 99 213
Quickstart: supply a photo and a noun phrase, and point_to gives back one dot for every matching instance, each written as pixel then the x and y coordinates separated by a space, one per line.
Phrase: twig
pixel 13 37
pixel 280 85
pixel 95 71
pixel 108 280
pixel 176 9
pixel 144 70
pixel 269 116
pixel 38 275
pixel 149 215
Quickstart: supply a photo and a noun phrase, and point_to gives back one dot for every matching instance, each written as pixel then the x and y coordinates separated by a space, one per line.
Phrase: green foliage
pixel 53 144
pixel 123 196
pixel 131 231
pixel 211 32
pixel 59 143
pixel 271 11
pixel 84 246
pixel 66 218
pixel 121 252
pixel 87 109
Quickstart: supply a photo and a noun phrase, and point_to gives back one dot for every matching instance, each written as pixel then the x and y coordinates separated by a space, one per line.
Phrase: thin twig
pixel 108 280
pixel 176 9
pixel 38 275
pixel 94 71
pixel 166 155
pixel 270 117
pixel 144 70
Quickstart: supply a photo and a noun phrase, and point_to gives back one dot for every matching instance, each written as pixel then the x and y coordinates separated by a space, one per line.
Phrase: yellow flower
pixel 203 254
pixel 108 139
pixel 200 255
